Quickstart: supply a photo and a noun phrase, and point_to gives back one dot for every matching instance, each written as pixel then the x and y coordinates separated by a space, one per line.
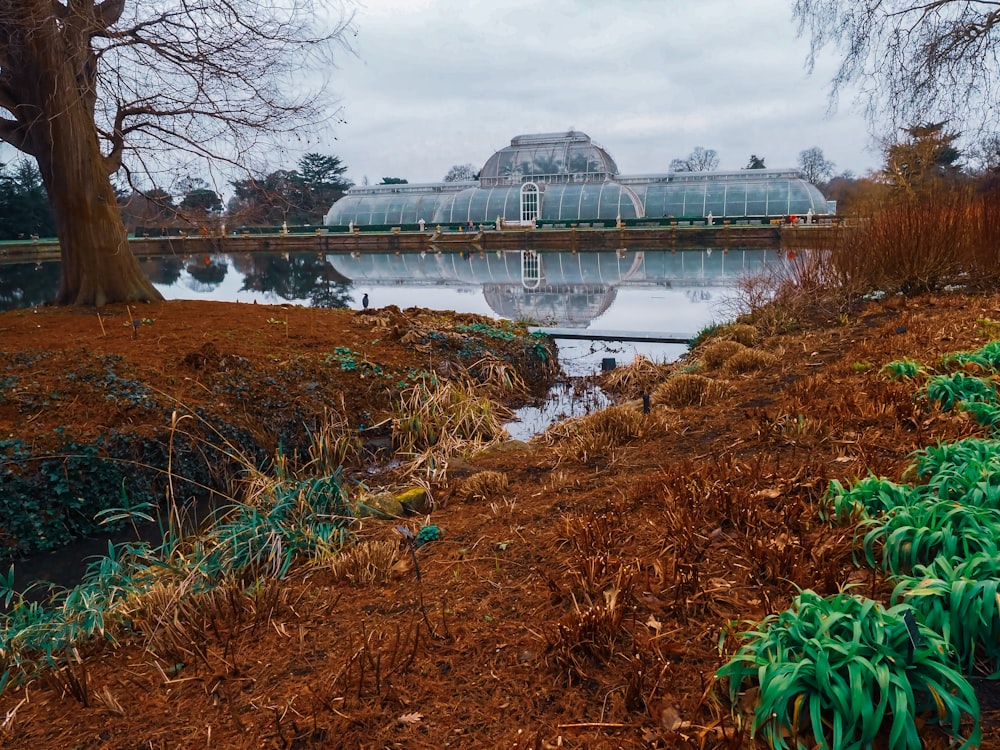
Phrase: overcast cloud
pixel 441 82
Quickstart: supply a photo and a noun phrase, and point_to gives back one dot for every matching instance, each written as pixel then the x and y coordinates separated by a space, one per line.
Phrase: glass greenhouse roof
pixel 571 179
pixel 548 157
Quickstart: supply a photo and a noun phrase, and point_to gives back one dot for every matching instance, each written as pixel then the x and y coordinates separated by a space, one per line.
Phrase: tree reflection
pixel 165 271
pixel 296 276
pixel 28 284
pixel 210 272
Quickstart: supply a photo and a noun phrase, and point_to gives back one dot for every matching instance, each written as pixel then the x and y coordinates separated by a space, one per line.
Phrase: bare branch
pixel 911 60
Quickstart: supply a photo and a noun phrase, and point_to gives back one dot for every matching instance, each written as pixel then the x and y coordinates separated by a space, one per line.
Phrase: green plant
pixel 945 457
pixel 862 366
pixel 961 601
pixel 916 534
pixel 950 390
pixel 833 672
pixel 986 358
pixel 903 369
pixel 428 533
pixel 704 334
pixel 867 498
pixel 966 472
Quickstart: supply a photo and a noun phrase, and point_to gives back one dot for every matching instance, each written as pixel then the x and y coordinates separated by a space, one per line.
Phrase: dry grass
pixel 589 635
pixel 335 443
pixel 715 353
pixel 748 360
pixel 742 333
pixel 484 485
pixel 436 420
pixel 498 377
pixel 686 389
pixel 364 564
pixel 595 435
pixel 636 378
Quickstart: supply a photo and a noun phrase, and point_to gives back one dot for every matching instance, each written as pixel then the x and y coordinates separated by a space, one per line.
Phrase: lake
pixel 635 291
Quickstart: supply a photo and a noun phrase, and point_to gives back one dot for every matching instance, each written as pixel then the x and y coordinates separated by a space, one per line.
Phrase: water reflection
pixel 627 290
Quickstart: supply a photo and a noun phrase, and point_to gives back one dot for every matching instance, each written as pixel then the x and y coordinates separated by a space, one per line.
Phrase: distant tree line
pixel 297 196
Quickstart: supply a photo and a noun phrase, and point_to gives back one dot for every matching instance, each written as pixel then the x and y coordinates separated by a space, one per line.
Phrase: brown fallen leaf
pixel 411 718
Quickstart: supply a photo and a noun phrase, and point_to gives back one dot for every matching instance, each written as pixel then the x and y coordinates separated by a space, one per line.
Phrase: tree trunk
pixel 57 95
pixel 98 266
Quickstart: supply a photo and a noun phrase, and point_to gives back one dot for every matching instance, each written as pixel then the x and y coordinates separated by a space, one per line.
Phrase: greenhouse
pixel 565 178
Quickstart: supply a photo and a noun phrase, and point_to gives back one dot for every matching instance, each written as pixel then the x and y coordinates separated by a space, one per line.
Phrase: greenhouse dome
pixel 566 178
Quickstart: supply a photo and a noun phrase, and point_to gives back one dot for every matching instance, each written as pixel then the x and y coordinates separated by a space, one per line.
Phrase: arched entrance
pixel 530 198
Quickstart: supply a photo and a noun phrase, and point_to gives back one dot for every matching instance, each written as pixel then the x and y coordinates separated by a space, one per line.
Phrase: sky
pixel 435 83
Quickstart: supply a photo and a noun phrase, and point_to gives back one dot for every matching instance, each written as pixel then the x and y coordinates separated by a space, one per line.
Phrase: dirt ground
pixel 583 606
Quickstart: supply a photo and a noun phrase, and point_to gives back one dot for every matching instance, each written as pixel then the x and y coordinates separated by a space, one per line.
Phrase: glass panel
pixel 777 198
pixel 694 200
pixel 736 199
pixel 674 203
pixel 715 199
pixel 588 202
pixel 756 199
pixel 394 209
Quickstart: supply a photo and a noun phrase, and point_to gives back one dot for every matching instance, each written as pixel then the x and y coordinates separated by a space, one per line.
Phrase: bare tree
pixel 461 173
pixel 89 87
pixel 915 60
pixel 699 160
pixel 814 165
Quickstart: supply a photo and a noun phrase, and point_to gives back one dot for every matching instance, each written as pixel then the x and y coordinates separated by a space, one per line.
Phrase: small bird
pixel 364 301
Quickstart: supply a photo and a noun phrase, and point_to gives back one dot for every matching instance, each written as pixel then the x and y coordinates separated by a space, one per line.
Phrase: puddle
pixel 579 394
pixel 574 397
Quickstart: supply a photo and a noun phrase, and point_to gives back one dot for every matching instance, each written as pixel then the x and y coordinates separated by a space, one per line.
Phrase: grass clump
pixel 688 389
pixel 835 672
pixel 436 420
pixel 484 485
pixel 638 377
pixel 715 353
pixel 748 360
pixel 363 564
pixel 593 435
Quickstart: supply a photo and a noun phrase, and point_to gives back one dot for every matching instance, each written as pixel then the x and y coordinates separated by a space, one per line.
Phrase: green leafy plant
pixel 966 472
pixel 903 369
pixel 703 335
pixel 961 601
pixel 986 358
pixel 869 497
pixel 916 534
pixel 949 390
pixel 833 672
pixel 428 533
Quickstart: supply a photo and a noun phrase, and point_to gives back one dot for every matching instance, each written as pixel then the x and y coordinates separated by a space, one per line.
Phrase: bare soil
pixel 487 637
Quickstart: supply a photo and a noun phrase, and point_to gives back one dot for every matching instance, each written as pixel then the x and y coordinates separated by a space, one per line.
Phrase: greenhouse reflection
pixel 563 288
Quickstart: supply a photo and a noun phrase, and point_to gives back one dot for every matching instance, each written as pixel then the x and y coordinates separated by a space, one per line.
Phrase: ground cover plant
pixel 581 605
